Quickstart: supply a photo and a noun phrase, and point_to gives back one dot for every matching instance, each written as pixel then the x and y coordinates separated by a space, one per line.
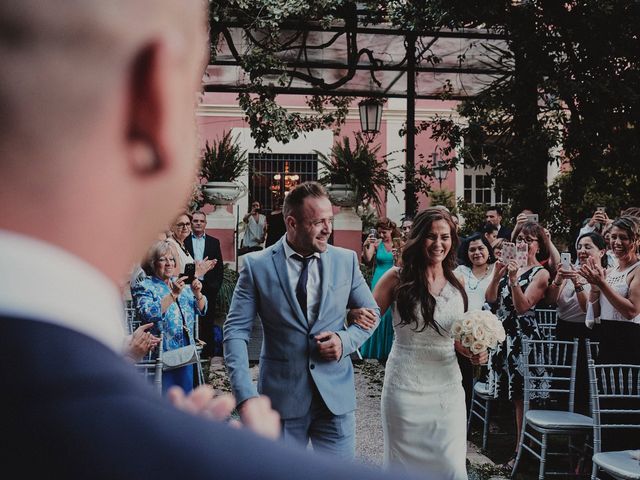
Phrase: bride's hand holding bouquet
pixel 475 333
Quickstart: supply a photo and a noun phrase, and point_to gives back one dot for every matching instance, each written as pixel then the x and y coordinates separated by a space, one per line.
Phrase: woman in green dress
pixel 378 250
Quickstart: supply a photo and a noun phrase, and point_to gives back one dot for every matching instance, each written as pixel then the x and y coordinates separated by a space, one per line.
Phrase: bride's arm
pixel 384 292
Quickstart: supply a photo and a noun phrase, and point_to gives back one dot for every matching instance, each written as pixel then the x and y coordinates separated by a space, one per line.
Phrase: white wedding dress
pixel 423 407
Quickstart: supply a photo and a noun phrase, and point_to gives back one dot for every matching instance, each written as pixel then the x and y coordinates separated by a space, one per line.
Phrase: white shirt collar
pixel 43 282
pixel 288 251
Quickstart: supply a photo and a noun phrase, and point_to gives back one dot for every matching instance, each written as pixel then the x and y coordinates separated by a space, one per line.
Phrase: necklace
pixel 471 277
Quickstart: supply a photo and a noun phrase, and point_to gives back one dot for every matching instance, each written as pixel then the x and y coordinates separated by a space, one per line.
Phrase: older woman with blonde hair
pixel 163 298
pixel 180 230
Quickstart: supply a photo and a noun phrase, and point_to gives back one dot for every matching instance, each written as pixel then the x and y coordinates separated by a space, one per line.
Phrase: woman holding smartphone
pixel 163 298
pixel 570 292
pixel 378 249
pixel 517 289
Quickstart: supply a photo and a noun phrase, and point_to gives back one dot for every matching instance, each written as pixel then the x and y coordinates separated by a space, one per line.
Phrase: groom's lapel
pixel 325 271
pixel 280 263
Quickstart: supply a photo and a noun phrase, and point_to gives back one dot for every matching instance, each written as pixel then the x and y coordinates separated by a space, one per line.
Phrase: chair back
pixel 547 319
pixel 550 373
pixel 615 399
pixel 131 315
pixel 150 367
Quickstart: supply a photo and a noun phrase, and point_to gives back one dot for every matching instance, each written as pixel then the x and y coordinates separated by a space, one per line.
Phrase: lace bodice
pixel 425 360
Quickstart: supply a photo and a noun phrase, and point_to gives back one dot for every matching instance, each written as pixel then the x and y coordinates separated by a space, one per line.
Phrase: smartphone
pixel 565 260
pixel 189 272
pixel 532 217
pixel 373 232
pixel 600 209
pixel 508 252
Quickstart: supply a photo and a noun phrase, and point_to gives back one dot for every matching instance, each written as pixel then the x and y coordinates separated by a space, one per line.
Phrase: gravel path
pixel 369 375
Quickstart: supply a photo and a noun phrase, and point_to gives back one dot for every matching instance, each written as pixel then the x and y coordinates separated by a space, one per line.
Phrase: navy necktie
pixel 301 286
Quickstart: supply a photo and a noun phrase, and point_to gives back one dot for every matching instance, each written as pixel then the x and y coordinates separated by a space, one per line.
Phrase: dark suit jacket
pixel 74 409
pixel 213 278
pixel 505 232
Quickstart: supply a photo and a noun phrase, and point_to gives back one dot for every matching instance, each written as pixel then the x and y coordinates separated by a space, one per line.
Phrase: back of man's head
pixel 91 95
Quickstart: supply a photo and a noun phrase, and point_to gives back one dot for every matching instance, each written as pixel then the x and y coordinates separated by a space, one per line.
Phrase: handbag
pixel 181 356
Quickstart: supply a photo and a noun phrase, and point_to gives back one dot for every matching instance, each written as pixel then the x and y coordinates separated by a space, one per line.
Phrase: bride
pixel 423 407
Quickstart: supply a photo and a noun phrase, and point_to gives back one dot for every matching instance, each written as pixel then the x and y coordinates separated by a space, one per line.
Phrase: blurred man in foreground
pixel 97 136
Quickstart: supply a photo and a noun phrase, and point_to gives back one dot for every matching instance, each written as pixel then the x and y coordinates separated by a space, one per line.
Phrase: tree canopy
pixel 566 88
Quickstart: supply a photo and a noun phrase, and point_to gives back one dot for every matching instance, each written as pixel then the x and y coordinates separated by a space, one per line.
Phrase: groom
pixel 301 288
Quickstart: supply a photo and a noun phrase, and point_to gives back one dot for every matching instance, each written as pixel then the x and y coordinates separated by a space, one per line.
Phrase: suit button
pixel 311 335
pixel 312 366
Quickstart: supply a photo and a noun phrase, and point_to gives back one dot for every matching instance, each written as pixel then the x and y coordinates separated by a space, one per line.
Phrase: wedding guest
pixel 476 270
pixel 140 343
pixel 203 247
pixel 255 231
pixel 516 290
pixel 550 259
pixel 615 295
pixel 276 227
pixel 164 299
pixel 497 248
pixel 493 215
pixel 570 292
pixel 405 225
pixel 490 232
pixel 378 250
pixel 614 300
pixel 180 231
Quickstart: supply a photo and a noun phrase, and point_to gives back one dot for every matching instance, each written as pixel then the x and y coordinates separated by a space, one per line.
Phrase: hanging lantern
pixel 370 117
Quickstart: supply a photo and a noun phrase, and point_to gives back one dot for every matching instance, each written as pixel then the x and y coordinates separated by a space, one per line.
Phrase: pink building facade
pixel 219 112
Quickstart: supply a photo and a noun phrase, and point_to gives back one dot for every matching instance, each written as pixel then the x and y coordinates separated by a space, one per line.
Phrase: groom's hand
pixel 329 346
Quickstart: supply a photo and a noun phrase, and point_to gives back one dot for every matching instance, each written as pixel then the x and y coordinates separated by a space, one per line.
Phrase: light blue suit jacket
pixel 289 360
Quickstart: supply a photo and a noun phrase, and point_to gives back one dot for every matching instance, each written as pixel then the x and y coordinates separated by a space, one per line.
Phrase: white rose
pixel 467 324
pixel 456 330
pixel 478 331
pixel 467 340
pixel 478 347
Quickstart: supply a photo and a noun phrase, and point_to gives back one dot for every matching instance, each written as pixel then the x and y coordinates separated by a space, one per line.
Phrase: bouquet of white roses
pixel 479 331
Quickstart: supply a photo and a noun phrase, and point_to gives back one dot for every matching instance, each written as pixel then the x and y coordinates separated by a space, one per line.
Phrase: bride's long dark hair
pixel 413 287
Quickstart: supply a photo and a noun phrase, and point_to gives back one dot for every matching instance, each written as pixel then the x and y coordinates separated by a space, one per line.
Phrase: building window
pixel 272 175
pixel 480 188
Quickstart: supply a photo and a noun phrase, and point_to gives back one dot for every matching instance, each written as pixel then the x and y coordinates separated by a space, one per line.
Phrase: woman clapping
pixel 167 301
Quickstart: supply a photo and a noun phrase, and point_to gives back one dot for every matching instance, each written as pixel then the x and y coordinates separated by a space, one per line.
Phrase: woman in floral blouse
pixel 170 304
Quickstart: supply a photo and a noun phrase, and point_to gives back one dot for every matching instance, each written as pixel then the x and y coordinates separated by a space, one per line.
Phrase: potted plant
pixel 223 163
pixel 354 176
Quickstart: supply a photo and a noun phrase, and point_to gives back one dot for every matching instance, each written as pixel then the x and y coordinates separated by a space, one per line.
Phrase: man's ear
pixel 290 222
pixel 147 125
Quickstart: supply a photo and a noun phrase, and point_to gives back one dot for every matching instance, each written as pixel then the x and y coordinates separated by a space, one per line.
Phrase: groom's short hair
pixel 293 202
